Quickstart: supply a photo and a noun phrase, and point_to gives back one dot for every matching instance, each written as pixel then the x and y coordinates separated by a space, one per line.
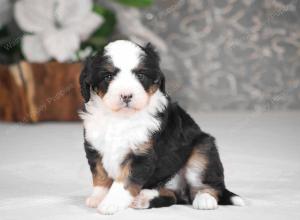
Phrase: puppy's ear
pixel 150 50
pixel 85 79
pixel 162 85
pixel 154 57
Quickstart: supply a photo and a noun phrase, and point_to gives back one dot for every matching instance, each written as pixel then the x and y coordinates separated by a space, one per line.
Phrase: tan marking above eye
pixel 140 67
pixel 109 67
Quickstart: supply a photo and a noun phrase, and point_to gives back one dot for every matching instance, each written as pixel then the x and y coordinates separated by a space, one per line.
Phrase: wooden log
pixel 40 92
pixel 13 105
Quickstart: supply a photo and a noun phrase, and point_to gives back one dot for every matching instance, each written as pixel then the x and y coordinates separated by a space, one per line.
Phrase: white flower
pixel 5 12
pixel 57 27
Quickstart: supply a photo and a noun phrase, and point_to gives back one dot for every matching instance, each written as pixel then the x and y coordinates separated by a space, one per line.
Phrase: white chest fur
pixel 115 136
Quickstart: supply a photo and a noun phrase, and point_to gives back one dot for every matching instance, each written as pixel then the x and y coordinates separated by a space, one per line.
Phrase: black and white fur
pixel 130 120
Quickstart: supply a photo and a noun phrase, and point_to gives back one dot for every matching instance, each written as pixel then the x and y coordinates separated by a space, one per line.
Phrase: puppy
pixel 144 151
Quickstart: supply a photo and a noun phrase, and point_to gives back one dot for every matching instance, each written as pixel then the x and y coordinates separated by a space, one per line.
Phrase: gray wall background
pixel 225 54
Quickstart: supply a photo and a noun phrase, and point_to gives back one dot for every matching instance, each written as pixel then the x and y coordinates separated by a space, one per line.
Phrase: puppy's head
pixel 125 76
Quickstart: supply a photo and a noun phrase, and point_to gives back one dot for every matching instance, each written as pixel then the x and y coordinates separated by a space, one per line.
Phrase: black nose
pixel 126 98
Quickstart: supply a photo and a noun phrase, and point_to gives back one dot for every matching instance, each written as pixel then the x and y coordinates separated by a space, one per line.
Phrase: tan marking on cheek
pixel 100 177
pixel 101 94
pixel 152 89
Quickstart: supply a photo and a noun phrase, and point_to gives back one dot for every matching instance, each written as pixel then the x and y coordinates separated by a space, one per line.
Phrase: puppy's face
pixel 124 77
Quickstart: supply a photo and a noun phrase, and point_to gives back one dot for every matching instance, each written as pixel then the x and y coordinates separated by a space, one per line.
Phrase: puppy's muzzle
pixel 126 98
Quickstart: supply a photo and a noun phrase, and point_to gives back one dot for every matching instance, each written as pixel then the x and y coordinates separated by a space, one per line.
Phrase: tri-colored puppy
pixel 144 150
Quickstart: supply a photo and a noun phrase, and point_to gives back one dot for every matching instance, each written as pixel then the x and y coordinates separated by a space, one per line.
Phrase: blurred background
pixel 217 55
pixel 231 54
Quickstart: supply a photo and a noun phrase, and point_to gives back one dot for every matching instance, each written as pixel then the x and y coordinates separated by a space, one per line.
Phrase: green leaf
pixel 108 26
pixel 10 48
pixel 136 3
pixel 3 35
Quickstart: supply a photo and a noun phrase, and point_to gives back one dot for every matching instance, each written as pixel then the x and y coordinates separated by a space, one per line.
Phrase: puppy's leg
pixel 135 171
pixel 205 199
pixel 101 182
pixel 204 174
pixel 173 192
pixel 153 198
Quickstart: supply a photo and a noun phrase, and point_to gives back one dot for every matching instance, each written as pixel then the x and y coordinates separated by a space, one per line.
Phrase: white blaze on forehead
pixel 124 54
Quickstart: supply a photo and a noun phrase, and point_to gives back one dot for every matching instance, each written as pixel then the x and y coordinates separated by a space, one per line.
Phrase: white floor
pixel 44 173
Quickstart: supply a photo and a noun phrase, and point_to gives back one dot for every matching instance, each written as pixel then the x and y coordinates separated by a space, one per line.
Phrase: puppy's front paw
pixel 116 200
pixel 93 201
pixel 111 207
pixel 205 201
pixel 98 194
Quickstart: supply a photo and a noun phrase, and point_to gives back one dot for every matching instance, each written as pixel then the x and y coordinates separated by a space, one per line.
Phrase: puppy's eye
pixel 108 77
pixel 140 76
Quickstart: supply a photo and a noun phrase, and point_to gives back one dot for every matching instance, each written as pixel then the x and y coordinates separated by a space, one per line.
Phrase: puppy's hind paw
pixel 142 201
pixel 205 201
